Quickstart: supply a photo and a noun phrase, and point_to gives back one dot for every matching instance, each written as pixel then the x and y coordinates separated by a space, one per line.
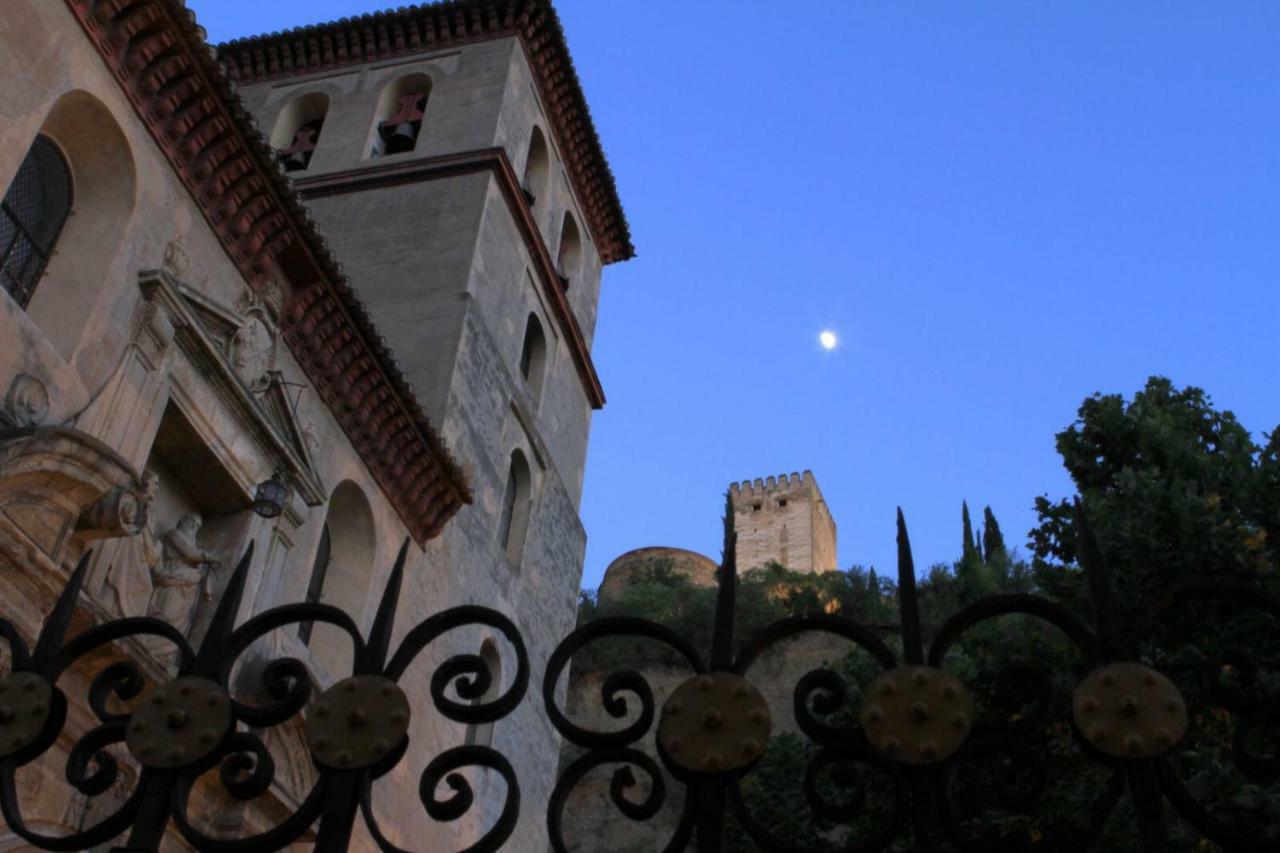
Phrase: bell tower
pixel 447 153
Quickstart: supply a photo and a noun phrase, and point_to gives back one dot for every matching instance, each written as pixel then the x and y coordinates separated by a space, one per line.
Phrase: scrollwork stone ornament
pixel 119 512
pixel 26 403
pixel 1129 710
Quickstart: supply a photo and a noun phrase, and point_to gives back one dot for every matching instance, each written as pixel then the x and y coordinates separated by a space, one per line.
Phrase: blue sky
pixel 1000 208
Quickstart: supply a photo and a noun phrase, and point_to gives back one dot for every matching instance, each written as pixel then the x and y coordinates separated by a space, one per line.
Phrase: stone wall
pixel 700 570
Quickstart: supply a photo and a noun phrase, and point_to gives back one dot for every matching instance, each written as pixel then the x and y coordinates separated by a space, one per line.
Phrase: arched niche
pixel 33 212
pixel 516 498
pixel 533 356
pixel 570 255
pixel 297 130
pixel 341 571
pixel 397 121
pixel 104 180
pixel 537 167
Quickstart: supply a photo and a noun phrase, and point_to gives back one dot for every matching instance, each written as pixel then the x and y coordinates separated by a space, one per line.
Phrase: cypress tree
pixel 969 551
pixel 992 538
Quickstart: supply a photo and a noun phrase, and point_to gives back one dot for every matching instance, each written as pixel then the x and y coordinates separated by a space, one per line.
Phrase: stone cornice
pixel 158 55
pixel 432 26
pixel 493 160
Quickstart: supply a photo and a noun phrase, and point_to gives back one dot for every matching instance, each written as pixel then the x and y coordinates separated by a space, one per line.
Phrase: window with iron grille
pixel 31 217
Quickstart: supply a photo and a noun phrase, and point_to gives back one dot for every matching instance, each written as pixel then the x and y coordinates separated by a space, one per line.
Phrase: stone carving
pixel 311 439
pixel 137 558
pixel 119 512
pixel 176 259
pixel 252 350
pixel 272 298
pixel 180 577
pixel 26 403
pixel 251 353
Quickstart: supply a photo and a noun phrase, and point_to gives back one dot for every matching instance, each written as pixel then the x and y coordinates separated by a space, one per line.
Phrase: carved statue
pixel 180 576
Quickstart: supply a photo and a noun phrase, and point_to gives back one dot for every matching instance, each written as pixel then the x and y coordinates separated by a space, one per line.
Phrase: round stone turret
pixel 625 570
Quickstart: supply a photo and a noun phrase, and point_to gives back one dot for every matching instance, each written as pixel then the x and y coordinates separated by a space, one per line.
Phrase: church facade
pixel 361 260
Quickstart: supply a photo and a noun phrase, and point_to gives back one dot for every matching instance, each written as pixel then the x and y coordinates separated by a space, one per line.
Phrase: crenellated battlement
pixel 763 486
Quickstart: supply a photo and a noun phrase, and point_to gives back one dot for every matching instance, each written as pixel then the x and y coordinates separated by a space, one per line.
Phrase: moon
pixel 828 340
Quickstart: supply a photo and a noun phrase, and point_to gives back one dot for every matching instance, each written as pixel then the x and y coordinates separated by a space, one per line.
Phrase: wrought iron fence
pixel 942 768
pixel 357 729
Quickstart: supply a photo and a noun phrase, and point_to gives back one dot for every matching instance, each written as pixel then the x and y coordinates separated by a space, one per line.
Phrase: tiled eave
pixel 432 26
pixel 159 56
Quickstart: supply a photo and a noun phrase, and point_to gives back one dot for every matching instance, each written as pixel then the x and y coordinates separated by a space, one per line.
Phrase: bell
pixel 296 161
pixel 401 139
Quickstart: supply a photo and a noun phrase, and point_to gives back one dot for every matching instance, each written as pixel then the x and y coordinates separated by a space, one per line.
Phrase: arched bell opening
pixel 398 121
pixel 297 130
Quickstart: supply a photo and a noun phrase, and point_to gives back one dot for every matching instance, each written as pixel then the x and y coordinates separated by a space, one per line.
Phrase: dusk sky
pixel 998 208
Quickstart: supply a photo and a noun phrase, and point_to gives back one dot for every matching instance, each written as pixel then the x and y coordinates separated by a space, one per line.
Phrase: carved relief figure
pixel 180 577
pixel 252 352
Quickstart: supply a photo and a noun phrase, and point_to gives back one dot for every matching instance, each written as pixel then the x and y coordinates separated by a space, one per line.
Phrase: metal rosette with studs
pixel 31 712
pixel 1129 710
pixel 917 714
pixel 357 722
pixel 713 723
pixel 179 723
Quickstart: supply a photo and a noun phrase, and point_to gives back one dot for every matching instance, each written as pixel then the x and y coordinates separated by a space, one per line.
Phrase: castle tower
pixel 783 519
pixel 447 153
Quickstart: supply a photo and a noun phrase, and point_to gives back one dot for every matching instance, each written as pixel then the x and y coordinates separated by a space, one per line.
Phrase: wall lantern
pixel 270 496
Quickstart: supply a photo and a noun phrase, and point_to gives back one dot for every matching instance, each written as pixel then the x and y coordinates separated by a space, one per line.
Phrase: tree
pixel 969 550
pixel 993 548
pixel 1174 489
